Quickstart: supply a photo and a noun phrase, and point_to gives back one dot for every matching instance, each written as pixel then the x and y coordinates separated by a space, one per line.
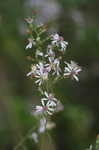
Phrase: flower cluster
pixel 47 67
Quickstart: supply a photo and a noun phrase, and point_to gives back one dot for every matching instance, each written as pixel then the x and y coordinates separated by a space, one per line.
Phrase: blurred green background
pixel 78 22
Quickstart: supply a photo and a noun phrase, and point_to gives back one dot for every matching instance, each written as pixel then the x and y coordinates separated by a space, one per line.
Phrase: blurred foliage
pixel 78 124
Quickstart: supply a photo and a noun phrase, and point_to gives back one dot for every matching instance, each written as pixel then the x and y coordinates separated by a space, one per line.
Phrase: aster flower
pixel 59 41
pixel 30 43
pixel 50 98
pixel 42 73
pixel 72 70
pixel 44 108
pixel 63 45
pixel 43 67
pixel 29 20
pixel 55 38
pixel 50 52
pixel 38 110
pixel 33 71
pixel 55 66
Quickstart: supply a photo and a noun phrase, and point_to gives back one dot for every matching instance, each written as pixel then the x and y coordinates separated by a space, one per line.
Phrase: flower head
pixel 50 52
pixel 30 43
pixel 63 45
pixel 29 20
pixel 33 71
pixel 72 70
pixel 59 42
pixel 55 37
pixel 44 108
pixel 42 73
pixel 55 66
pixel 49 98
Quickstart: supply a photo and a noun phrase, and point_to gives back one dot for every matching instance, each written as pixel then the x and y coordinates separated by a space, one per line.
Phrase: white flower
pixel 44 108
pixel 35 137
pixel 59 41
pixel 63 45
pixel 33 71
pixel 41 78
pixel 55 38
pixel 50 98
pixel 39 71
pixel 38 110
pixel 55 66
pixel 30 43
pixel 72 70
pixel 42 73
pixel 44 68
pixel 42 126
pixel 50 52
pixel 29 20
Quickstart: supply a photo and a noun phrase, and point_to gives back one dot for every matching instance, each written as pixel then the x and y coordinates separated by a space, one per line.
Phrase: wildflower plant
pixel 47 53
